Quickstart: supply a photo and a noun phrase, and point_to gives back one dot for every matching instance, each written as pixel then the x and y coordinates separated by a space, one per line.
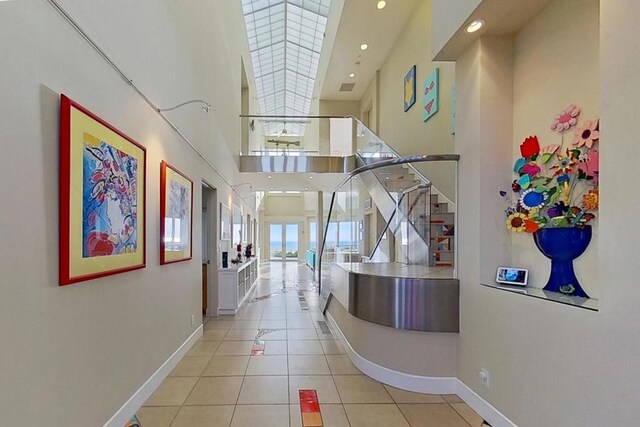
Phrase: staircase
pixel 403 196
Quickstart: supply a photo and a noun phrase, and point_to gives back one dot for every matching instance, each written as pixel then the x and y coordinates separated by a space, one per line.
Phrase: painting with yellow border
pixel 176 215
pixel 410 88
pixel 102 197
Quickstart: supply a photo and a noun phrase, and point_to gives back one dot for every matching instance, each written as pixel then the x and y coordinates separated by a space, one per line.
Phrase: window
pixel 313 233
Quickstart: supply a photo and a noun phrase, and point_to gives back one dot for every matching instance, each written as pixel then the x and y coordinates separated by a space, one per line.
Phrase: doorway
pixel 284 244
pixel 209 250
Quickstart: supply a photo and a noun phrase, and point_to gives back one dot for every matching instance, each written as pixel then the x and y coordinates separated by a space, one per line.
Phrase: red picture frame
pixel 94 152
pixel 176 215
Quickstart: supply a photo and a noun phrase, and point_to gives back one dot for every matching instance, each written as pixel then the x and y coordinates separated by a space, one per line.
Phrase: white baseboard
pixel 422 384
pixel 129 409
pixel 411 382
pixel 482 407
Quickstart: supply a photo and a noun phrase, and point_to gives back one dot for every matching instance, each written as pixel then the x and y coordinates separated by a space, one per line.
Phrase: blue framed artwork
pixel 410 88
pixel 430 90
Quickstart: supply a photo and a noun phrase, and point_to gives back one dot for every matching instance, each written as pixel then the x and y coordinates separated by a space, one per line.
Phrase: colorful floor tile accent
pixel 310 408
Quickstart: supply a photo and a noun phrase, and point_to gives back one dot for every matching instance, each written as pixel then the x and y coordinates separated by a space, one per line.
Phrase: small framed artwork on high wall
pixel 176 215
pixel 102 197
pixel 410 88
pixel 430 95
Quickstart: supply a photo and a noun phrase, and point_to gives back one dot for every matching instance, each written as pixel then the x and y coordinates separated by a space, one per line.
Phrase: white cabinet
pixel 234 284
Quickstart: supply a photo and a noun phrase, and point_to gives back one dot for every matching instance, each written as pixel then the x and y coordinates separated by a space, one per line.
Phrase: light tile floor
pixel 219 382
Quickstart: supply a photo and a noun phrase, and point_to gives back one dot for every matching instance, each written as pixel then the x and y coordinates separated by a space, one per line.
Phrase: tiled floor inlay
pixel 249 370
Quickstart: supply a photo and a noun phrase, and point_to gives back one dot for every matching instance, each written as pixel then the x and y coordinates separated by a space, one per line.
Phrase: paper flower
pixel 587 135
pixel 566 119
pixel 530 147
pixel 532 199
pixel 515 222
pixel 566 164
pixel 579 217
pixel 559 209
pixel 548 152
pixel 531 226
pixel 590 165
pixel 531 169
pixel 591 200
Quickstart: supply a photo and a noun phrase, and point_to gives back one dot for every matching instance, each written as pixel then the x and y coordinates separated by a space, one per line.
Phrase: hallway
pixel 247 370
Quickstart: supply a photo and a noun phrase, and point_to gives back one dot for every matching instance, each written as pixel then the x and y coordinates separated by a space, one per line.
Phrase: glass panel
pixel 313 234
pixel 291 239
pixel 275 241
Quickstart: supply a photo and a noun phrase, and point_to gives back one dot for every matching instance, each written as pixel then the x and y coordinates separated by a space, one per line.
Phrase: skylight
pixel 285 39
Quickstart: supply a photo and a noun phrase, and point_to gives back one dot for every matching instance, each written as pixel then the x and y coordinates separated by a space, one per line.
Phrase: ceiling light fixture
pixel 269 177
pixel 352 75
pixel 381 4
pixel 310 177
pixel 364 46
pixel 475 25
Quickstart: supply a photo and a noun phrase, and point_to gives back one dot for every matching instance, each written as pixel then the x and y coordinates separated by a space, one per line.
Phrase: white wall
pixel 551 364
pixel 405 131
pixel 73 355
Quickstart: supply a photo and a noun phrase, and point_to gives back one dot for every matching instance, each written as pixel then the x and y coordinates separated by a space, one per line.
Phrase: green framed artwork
pixel 430 99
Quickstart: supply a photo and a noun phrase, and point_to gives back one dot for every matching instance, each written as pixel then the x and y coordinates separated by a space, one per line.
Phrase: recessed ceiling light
pixel 352 75
pixel 310 177
pixel 306 188
pixel 364 46
pixel 269 177
pixel 271 188
pixel 475 26
pixel 381 4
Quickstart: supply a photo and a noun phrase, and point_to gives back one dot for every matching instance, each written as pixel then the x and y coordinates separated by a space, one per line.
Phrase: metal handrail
pixel 400 161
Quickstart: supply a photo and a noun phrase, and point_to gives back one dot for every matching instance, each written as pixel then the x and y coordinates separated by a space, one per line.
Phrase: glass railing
pixel 386 218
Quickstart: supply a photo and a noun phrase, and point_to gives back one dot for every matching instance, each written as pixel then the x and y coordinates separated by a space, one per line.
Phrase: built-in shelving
pixel 234 284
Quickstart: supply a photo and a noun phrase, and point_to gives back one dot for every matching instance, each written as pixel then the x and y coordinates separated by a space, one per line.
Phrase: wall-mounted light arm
pixel 205 108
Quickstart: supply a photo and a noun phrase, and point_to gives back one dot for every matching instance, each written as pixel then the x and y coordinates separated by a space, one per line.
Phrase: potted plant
pixel 554 197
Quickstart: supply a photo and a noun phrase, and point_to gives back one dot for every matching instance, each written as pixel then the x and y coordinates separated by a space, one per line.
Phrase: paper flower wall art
pixel 587 135
pixel 556 186
pixel 566 119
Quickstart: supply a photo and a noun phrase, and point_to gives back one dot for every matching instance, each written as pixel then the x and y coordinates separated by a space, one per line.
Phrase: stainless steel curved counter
pixel 427 301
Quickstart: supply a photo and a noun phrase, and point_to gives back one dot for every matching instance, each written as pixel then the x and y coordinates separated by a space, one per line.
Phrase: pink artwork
pixel 566 119
pixel 588 134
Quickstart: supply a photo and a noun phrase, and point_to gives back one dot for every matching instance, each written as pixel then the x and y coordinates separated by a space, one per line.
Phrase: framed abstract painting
pixel 225 222
pixel 410 88
pixel 102 197
pixel 176 215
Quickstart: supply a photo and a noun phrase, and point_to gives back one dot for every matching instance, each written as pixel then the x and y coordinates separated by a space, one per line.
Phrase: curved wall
pixel 429 354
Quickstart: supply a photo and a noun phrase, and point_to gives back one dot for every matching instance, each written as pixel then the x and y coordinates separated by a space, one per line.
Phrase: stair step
pixel 439 207
pixel 447 217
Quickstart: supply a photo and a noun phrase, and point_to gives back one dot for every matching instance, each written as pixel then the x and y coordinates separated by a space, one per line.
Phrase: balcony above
pixel 287 163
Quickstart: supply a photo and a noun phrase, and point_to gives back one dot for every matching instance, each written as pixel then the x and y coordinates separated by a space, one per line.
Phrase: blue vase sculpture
pixel 562 246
